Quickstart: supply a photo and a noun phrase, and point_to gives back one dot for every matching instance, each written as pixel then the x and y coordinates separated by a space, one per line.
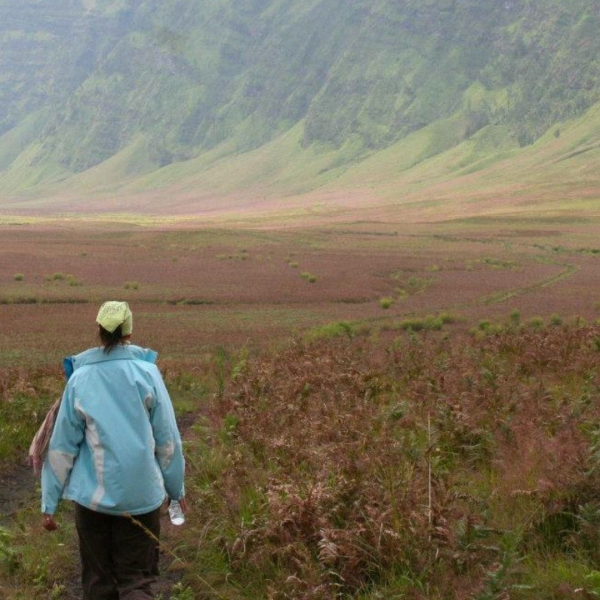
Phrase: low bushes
pixel 444 466
pixel 439 467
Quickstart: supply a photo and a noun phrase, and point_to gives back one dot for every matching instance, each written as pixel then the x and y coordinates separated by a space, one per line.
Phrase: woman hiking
pixel 115 451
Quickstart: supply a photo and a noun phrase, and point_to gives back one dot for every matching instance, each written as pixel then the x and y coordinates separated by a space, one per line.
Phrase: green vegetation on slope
pixel 182 80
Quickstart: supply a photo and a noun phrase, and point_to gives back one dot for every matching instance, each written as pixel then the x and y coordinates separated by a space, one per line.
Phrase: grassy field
pixel 197 288
pixel 371 409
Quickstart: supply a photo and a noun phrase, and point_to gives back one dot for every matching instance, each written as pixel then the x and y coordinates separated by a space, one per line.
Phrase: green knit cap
pixel 114 313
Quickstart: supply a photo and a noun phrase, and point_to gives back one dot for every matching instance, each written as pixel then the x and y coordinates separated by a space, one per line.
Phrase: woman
pixel 116 452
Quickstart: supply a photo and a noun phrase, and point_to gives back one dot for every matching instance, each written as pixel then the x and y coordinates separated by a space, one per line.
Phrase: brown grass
pixel 379 462
pixel 188 298
pixel 434 467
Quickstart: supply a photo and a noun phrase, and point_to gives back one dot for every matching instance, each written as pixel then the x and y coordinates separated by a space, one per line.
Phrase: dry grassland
pixel 376 464
pixel 194 289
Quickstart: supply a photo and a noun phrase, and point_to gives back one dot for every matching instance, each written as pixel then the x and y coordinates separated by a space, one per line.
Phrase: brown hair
pixel 110 340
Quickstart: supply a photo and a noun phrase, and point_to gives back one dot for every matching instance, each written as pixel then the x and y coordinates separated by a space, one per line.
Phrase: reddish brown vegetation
pixel 430 465
pixel 194 290
pixel 340 448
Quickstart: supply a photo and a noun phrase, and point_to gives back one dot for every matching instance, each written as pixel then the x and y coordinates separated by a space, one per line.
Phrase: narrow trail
pixel 500 297
pixel 17 490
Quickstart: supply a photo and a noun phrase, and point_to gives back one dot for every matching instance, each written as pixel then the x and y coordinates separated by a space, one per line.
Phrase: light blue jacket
pixel 115 447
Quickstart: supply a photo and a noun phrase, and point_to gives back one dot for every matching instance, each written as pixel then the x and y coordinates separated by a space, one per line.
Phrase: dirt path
pixel 567 271
pixel 17 490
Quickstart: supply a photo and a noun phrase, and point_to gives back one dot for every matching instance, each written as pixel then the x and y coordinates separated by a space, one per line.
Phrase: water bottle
pixel 175 513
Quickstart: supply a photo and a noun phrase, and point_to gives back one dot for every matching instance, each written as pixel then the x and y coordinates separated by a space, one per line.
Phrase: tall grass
pixel 439 467
pixel 444 467
pixel 25 396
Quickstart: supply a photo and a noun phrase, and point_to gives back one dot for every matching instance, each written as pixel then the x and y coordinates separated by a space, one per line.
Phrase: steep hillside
pixel 145 93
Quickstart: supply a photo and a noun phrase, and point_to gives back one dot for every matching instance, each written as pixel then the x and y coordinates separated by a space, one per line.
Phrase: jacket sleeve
pixel 169 452
pixel 63 448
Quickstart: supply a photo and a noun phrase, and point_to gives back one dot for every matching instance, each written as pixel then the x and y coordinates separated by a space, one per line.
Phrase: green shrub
pixel 447 318
pixel 413 324
pixel 429 323
pixel 131 285
pixel 536 323
pixel 385 303
pixel 484 325
pixel 556 320
pixel 73 281
pixel 19 277
pixel 333 330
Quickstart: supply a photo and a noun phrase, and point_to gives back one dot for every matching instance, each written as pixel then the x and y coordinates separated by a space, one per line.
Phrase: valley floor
pixel 300 361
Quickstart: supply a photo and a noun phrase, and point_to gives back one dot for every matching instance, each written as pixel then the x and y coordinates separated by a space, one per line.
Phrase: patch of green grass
pixel 515 317
pixel 556 576
pixel 9 559
pixel 555 319
pixel 427 323
pixel 484 325
pixel 497 263
pixel 308 277
pixel 386 302
pixel 337 329
pixel 43 569
pixel 536 323
pixel 73 281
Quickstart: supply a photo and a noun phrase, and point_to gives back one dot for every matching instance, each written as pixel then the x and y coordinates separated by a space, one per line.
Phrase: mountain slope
pixel 139 94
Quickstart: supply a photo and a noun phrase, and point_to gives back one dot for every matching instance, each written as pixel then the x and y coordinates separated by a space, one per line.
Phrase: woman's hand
pixel 48 522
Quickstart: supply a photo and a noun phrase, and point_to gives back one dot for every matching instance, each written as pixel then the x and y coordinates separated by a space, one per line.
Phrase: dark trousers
pixel 119 555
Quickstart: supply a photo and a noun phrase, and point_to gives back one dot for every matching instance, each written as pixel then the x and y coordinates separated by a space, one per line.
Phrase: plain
pixel 371 409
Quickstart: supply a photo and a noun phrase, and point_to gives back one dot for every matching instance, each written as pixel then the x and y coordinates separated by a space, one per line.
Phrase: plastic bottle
pixel 175 513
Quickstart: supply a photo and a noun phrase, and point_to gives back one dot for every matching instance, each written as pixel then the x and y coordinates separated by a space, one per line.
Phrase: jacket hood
pixel 95 355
